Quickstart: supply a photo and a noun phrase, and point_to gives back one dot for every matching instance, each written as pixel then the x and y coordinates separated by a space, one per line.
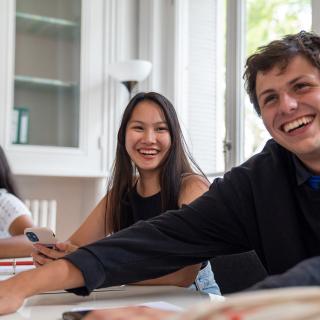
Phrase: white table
pixel 50 306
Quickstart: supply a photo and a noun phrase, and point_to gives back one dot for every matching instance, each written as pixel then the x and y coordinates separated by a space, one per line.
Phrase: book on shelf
pixel 20 125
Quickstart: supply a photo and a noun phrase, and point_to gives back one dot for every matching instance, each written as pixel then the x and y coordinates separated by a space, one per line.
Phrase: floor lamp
pixel 130 72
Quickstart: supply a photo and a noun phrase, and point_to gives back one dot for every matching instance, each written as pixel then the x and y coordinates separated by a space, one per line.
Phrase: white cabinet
pixel 52 81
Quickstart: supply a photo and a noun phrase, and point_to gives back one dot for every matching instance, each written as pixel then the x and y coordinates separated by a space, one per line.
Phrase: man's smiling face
pixel 289 101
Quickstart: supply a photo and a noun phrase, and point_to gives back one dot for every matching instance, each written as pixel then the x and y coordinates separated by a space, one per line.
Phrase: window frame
pixel 235 91
pixel 170 77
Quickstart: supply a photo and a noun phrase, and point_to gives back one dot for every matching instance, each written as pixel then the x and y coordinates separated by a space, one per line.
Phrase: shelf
pixel 43 25
pixel 43 82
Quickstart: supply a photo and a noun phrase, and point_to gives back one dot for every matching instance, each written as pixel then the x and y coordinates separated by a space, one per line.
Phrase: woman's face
pixel 147 137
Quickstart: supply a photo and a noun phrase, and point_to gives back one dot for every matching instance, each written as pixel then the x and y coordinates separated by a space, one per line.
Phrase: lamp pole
pixel 129 85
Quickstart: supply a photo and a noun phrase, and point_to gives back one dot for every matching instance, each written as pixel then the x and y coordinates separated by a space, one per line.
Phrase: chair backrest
pixel 44 212
pixel 236 272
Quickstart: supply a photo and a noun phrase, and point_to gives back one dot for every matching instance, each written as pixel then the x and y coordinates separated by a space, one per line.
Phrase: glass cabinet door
pixel 46 108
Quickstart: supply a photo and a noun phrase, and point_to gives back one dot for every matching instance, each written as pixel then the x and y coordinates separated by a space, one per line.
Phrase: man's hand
pixel 60 274
pixel 11 297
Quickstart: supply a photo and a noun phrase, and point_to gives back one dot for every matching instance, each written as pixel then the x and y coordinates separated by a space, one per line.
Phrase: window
pixel 251 24
pixel 211 41
pixel 200 80
pixel 268 20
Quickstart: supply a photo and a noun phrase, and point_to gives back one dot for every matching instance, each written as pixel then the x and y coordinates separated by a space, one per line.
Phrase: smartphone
pixel 74 315
pixel 41 235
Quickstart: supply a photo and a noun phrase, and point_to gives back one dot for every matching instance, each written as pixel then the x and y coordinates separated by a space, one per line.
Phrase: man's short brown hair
pixel 279 53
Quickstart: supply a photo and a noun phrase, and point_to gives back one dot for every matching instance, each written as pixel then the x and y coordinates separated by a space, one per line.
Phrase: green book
pixel 20 125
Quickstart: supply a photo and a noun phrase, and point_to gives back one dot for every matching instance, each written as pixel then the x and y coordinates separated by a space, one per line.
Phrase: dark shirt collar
pixel 302 173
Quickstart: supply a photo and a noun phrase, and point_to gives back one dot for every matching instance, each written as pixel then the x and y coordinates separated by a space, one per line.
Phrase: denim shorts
pixel 205 281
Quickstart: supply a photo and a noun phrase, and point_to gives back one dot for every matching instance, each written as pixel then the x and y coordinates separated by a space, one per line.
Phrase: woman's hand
pixel 42 255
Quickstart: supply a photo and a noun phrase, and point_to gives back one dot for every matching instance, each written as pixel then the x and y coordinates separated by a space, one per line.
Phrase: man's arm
pixel 192 187
pixel 207 227
pixel 54 276
pixel 193 234
pixel 305 273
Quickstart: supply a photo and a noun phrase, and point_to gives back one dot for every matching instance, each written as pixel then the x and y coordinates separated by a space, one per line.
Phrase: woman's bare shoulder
pixel 194 180
pixel 192 186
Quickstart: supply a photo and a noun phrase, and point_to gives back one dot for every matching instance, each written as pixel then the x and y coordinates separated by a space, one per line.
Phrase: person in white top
pixel 14 215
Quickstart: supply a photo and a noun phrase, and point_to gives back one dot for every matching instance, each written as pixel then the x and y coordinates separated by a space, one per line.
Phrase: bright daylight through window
pixel 268 20
pixel 204 77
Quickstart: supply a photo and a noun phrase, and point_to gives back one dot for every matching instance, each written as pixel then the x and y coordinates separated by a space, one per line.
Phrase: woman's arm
pixel 91 230
pixel 15 217
pixel 17 245
pixel 94 227
pixel 192 187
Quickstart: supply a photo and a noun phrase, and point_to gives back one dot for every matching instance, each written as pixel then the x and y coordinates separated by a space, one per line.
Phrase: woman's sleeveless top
pixel 144 208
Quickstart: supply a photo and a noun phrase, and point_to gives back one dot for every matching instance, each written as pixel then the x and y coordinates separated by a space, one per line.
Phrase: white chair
pixel 44 212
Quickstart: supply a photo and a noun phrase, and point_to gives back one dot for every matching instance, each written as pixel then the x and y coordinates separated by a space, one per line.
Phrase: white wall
pixel 76 197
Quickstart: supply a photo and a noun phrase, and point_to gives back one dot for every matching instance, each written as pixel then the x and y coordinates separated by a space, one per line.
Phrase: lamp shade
pixel 130 70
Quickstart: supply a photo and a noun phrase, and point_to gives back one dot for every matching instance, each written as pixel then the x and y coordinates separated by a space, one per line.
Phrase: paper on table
pixel 153 304
pixel 24 268
pixel 162 305
pixel 284 303
pixel 10 270
pixel 114 288
pixel 6 270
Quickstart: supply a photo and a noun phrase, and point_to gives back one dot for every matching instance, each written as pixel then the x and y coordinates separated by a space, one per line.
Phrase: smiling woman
pixel 153 172
pixel 147 139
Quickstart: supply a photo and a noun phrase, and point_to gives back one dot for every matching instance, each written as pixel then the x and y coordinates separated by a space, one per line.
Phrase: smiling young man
pixel 287 96
pixel 269 204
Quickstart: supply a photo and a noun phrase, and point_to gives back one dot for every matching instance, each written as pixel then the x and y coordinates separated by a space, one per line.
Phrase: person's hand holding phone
pixel 42 254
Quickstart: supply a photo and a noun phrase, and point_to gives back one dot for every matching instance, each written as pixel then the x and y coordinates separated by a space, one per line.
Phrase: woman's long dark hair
pixel 6 178
pixel 177 163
